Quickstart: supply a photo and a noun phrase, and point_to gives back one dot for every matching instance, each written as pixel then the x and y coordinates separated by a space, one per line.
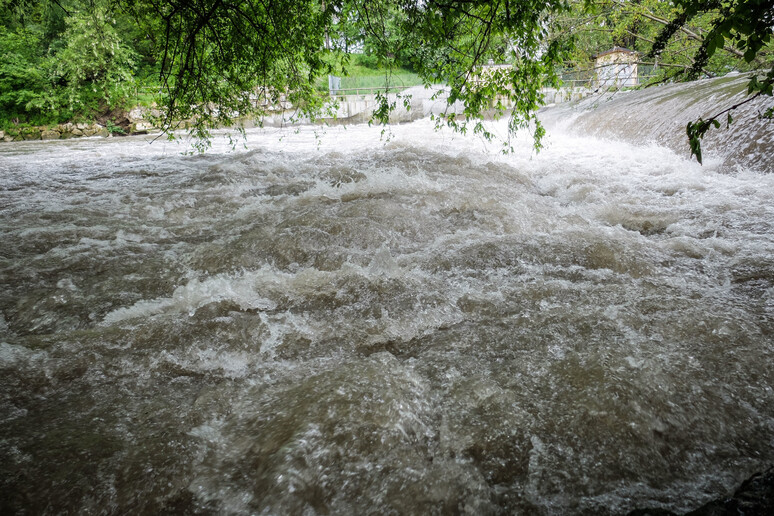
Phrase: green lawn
pixel 361 73
pixel 398 79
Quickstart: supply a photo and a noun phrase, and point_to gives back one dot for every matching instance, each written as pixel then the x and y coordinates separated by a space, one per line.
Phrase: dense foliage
pixel 67 60
pixel 213 61
pixel 226 57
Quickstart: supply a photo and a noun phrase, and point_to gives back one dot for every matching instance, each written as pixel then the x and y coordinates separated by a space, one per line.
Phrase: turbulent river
pixel 342 323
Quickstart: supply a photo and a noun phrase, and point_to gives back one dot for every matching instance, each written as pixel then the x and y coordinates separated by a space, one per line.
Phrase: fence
pixel 588 77
pixel 373 90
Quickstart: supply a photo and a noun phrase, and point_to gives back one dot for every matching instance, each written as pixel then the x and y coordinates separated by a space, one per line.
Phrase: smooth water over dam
pixel 340 324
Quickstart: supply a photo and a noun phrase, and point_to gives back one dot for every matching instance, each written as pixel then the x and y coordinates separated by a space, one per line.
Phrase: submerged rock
pixel 50 135
pixel 753 498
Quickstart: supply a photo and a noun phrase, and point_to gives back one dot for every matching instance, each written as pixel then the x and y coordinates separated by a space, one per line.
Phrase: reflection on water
pixel 339 324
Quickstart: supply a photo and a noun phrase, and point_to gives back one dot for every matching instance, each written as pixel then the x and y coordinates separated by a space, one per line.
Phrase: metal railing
pixel 371 90
pixel 591 78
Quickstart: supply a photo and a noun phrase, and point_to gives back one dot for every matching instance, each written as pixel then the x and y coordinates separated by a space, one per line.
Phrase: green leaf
pixel 752 85
pixel 711 44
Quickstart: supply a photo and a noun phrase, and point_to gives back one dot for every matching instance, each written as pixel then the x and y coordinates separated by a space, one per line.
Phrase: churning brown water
pixel 346 325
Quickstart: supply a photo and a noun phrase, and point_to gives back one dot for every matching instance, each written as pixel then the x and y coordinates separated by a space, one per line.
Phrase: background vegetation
pixel 69 60
pixel 638 25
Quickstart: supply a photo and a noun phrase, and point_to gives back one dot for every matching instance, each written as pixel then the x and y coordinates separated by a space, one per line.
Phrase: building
pixel 616 68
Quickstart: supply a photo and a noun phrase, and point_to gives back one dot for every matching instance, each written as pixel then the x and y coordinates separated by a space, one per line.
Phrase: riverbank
pixel 409 105
pixel 113 123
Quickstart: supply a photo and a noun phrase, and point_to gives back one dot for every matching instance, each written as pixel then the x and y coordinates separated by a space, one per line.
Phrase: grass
pixel 397 79
pixel 365 72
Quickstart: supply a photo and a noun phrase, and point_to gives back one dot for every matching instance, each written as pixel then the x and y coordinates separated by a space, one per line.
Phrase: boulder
pixel 136 113
pixel 49 134
pixel 141 126
pixel 31 133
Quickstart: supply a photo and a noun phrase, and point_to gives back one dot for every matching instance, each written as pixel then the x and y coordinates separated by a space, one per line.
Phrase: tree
pixel 221 59
pixel 63 59
pixel 21 81
pixel 95 63
pixel 452 40
pixel 217 55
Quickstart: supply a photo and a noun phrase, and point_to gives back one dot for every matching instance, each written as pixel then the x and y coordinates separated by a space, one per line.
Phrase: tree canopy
pixel 218 52
pixel 212 61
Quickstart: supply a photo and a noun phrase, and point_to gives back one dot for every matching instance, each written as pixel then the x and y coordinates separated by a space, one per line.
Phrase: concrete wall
pixel 561 95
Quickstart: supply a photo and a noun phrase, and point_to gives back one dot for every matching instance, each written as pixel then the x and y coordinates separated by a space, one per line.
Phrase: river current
pixel 341 322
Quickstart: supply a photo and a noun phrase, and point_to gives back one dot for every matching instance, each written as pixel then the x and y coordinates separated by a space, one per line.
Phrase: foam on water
pixel 194 295
pixel 332 322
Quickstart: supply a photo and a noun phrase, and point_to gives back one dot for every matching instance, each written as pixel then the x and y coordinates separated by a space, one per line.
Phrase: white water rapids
pixel 343 324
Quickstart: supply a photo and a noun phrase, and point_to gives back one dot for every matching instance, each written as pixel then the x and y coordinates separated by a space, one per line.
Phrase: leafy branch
pixel 696 130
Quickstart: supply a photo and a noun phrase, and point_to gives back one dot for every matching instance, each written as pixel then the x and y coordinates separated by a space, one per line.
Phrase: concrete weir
pixel 410 104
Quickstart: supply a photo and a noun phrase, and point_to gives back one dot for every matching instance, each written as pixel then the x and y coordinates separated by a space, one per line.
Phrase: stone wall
pixel 58 132
pixel 133 122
